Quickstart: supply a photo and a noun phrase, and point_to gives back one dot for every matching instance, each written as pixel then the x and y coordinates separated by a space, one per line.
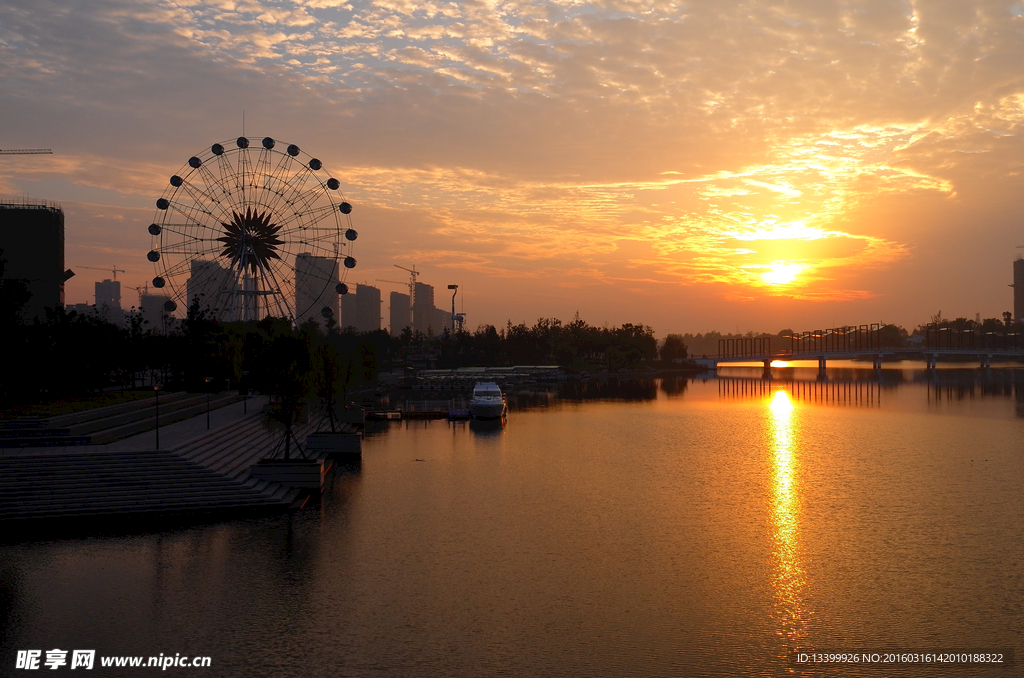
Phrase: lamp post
pixel 156 388
pixel 456 291
pixel 207 380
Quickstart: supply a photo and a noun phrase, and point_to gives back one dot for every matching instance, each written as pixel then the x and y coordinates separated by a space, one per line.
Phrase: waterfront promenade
pixel 172 435
pixel 195 470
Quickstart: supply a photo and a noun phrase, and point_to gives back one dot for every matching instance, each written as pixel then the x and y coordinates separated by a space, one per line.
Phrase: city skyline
pixel 753 167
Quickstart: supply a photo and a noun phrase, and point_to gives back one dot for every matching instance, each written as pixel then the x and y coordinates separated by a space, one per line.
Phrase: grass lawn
pixel 58 407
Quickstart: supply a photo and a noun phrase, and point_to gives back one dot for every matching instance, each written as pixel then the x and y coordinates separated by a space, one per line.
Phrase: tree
pixel 892 336
pixel 674 348
pixel 286 376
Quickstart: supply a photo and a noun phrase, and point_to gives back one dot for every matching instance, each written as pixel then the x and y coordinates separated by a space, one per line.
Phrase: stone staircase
pixel 207 474
pixel 234 448
pixel 123 483
pixel 106 424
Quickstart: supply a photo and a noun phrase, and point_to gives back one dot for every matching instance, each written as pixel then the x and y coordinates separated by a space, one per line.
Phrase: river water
pixel 709 527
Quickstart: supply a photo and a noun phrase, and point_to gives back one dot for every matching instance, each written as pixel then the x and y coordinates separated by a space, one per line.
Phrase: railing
pixel 837 339
pixel 869 338
pixel 744 346
pixel 427 405
pixel 833 339
pixel 951 338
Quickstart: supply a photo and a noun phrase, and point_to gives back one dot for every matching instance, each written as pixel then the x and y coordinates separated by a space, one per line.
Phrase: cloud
pixel 538 139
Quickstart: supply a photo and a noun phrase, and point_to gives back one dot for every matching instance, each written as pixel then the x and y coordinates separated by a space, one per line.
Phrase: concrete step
pixel 120 483
pixel 111 410
pixel 148 424
pixel 91 509
pixel 51 441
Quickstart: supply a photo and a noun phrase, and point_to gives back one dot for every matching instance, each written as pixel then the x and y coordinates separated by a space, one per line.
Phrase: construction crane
pixel 26 151
pixel 411 284
pixel 113 270
pixel 412 279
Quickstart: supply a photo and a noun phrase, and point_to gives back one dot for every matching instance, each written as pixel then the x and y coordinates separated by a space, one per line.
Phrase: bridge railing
pixel 831 340
pixel 742 347
pixel 837 339
pixel 870 338
pixel 972 339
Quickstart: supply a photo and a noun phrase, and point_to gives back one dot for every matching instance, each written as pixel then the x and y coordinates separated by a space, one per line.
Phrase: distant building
pixel 32 240
pixel 214 286
pixel 316 293
pixel 1018 289
pixel 423 307
pixel 399 313
pixel 154 312
pixel 367 308
pixel 442 319
pixel 108 301
pixel 349 310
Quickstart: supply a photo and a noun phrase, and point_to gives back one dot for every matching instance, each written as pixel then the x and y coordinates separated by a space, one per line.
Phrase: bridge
pixel 870 342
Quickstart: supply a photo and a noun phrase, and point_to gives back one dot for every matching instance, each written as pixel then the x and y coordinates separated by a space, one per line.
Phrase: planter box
pixel 335 443
pixel 306 474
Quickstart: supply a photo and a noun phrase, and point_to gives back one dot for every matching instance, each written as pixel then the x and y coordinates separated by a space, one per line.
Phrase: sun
pixel 781 273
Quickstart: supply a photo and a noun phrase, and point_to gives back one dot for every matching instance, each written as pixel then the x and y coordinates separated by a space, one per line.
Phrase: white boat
pixel 488 402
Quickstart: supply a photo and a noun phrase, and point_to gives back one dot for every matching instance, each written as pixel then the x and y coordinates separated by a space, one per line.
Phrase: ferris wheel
pixel 253 232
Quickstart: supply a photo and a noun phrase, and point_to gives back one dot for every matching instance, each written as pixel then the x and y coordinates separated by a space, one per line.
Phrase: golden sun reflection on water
pixel 789 578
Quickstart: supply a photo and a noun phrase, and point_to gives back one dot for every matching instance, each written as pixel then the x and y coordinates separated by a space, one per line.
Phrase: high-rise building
pixel 214 286
pixel 32 240
pixel 442 319
pixel 316 283
pixel 108 301
pixel 423 307
pixel 349 311
pixel 367 308
pixel 154 312
pixel 399 313
pixel 1018 289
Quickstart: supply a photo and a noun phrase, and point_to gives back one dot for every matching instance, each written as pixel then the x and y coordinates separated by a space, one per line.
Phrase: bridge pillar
pixel 821 365
pixel 876 362
pixel 986 360
pixel 929 360
pixel 767 373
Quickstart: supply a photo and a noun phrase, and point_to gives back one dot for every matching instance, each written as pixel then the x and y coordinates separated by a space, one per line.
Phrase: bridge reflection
pixel 860 393
pixel 864 388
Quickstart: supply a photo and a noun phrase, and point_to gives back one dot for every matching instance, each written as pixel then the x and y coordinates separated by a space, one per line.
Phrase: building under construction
pixel 417 309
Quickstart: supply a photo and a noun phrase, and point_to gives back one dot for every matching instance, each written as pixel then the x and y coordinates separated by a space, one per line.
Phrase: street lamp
pixel 207 380
pixel 156 388
pixel 456 291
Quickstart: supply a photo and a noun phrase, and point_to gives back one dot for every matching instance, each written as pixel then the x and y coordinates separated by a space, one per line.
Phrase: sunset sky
pixel 686 165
